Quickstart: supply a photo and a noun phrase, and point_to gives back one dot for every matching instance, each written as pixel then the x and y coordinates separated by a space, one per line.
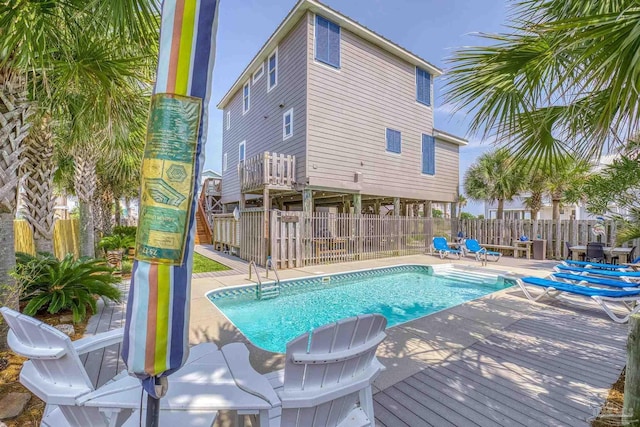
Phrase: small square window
pixel 258 73
pixel 272 65
pixel 287 124
pixel 241 151
pixel 246 97
pixel 394 141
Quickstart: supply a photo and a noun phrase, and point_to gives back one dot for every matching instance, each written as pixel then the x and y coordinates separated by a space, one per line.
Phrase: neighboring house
pixel 353 108
pixel 517 209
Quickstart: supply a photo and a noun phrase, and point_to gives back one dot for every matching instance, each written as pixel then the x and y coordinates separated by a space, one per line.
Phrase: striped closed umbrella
pixel 156 333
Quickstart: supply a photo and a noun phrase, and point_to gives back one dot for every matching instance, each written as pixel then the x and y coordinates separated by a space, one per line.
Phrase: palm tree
pixel 14 127
pixel 35 40
pixel 494 177
pixel 568 175
pixel 563 81
pixel 95 51
pixel 462 202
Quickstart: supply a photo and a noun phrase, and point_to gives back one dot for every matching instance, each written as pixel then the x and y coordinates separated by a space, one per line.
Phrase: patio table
pixel 204 385
pixel 609 251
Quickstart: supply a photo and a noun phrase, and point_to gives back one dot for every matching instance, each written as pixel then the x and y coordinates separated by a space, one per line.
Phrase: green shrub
pixel 127 267
pixel 116 242
pixel 125 230
pixel 55 285
pixel 467 215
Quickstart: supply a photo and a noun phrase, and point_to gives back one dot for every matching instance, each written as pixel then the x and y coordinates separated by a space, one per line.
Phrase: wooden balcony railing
pixel 272 170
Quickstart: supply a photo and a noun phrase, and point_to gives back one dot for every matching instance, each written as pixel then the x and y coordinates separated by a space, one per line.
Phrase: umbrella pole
pixel 153 409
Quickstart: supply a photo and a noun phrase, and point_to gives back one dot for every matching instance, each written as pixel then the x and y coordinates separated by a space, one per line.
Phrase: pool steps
pixel 268 290
pixel 465 275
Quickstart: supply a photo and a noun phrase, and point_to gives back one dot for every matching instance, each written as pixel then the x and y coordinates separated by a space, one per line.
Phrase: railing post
pixel 266 169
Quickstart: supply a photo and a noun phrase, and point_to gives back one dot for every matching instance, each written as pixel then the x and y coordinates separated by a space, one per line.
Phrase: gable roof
pixel 298 11
pixel 445 136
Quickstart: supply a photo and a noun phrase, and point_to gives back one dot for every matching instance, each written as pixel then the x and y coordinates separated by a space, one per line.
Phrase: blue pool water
pixel 400 294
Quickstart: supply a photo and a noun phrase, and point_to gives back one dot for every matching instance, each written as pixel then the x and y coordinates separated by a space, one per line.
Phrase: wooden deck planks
pixel 102 365
pixel 552 367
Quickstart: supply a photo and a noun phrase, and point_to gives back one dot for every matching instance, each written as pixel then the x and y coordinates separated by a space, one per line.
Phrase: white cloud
pixel 447 109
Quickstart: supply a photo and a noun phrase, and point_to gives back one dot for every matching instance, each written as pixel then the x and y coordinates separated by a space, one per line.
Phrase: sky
pixel 431 29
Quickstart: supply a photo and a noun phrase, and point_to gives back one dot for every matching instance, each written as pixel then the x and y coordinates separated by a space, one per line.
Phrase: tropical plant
pixel 14 127
pixel 55 285
pixel 568 175
pixel 615 192
pixel 116 242
pixel 562 81
pixel 437 213
pixel 125 230
pixel 467 215
pixel 494 177
pixel 82 60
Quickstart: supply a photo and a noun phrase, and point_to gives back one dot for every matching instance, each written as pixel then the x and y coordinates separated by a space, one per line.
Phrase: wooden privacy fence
pixel 226 231
pixel 253 246
pixel 575 232
pixel 65 238
pixel 298 240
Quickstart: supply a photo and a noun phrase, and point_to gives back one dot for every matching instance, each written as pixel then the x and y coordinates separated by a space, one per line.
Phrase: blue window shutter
pixel 423 86
pixel 334 45
pixel 394 141
pixel 327 42
pixel 322 39
pixel 428 155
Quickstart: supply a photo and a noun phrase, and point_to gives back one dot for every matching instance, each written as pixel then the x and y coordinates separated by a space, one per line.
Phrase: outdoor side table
pixel 205 385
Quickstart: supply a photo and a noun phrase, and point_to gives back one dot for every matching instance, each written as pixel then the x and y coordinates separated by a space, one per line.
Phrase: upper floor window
pixel 394 141
pixel 423 86
pixel 246 97
pixel 224 162
pixel 287 124
pixel 272 64
pixel 258 73
pixel 228 120
pixel 428 154
pixel 327 42
pixel 241 151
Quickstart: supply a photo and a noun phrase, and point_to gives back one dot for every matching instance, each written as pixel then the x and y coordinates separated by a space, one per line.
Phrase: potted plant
pixel 114 247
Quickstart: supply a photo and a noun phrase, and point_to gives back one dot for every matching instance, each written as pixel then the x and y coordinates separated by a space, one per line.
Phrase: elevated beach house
pixel 330 116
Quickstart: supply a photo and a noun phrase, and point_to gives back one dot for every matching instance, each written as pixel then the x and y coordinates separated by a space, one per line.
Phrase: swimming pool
pixel 400 293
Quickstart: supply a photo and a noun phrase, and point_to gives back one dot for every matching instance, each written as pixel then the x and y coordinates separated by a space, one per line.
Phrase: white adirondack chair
pixel 327 377
pixel 56 375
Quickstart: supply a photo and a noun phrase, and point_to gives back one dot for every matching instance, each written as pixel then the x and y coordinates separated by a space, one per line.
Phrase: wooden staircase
pixel 203 230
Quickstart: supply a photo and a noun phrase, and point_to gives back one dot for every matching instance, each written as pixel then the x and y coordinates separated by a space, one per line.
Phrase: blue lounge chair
pixel 627 276
pixel 473 247
pixel 628 298
pixel 592 280
pixel 442 248
pixel 598 265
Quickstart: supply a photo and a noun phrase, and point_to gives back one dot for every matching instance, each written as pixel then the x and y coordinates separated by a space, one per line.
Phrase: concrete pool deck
pixel 497 360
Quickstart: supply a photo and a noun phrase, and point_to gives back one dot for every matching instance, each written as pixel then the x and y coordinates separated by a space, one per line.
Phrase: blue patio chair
pixel 593 280
pixel 442 248
pixel 551 288
pixel 473 247
pixel 622 275
pixel 597 265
